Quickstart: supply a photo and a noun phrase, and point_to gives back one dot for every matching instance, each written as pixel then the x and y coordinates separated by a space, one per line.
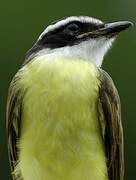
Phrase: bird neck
pixel 91 50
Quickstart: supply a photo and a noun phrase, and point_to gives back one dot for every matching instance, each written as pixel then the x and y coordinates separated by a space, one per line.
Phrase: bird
pixel 63 110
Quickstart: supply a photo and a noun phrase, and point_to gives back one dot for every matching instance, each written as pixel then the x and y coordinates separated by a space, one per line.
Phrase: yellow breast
pixel 61 136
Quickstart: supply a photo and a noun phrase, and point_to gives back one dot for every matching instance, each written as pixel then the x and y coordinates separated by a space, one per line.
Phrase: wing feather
pixel 113 136
pixel 14 104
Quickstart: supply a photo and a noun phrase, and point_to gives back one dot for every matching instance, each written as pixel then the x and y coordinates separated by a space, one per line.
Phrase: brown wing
pixel 113 135
pixel 13 120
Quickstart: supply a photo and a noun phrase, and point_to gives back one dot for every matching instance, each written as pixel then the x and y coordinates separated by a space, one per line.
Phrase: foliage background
pixel 20 24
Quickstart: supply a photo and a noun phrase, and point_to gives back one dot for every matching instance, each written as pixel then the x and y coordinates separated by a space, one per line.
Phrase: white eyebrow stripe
pixel 86 19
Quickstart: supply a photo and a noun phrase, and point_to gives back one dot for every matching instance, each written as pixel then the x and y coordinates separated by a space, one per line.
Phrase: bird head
pixel 78 37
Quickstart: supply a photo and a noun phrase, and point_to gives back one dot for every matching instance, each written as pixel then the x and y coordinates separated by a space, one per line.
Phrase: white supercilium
pixel 68 20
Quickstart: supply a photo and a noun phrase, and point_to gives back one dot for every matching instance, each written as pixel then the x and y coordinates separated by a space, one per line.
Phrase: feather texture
pixel 113 136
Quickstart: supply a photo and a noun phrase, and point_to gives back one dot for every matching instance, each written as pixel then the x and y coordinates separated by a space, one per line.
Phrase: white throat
pixel 92 50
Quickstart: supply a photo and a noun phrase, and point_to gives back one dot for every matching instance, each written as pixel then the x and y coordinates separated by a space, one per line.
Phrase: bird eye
pixel 72 27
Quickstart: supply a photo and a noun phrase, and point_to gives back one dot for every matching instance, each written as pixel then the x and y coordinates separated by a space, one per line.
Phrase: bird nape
pixel 63 110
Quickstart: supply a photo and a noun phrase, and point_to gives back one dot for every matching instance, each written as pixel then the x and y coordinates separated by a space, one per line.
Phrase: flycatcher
pixel 63 110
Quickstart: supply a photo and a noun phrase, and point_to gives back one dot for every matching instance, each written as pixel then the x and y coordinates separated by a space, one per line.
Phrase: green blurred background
pixel 20 24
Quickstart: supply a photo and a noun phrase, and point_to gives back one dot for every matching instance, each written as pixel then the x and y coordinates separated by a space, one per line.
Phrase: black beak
pixel 114 28
pixel 108 30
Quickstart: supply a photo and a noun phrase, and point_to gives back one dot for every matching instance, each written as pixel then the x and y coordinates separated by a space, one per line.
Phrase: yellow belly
pixel 61 136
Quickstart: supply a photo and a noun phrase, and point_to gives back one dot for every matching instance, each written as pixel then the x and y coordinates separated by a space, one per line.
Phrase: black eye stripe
pixel 66 34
